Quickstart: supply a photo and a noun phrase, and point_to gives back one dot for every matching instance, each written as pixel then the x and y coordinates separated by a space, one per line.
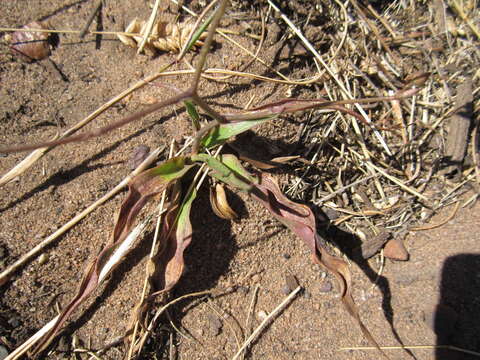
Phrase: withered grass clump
pixel 370 162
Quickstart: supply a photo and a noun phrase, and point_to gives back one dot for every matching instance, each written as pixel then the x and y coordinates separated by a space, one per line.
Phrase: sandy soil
pixel 40 99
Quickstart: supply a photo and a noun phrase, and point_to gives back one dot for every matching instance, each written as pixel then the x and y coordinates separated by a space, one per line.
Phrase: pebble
pixel 42 259
pixel 291 283
pixel 395 249
pixel 243 290
pixel 139 154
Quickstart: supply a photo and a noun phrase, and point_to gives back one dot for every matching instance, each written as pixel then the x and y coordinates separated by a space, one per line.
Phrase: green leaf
pixel 192 111
pixel 234 164
pixel 231 176
pixel 198 33
pixel 223 132
pixel 171 169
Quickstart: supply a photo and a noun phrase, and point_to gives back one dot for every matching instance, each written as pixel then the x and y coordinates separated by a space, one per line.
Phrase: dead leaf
pixel 219 202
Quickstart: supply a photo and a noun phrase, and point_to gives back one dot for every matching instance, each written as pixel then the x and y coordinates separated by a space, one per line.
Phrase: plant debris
pixel 170 37
pixel 31 45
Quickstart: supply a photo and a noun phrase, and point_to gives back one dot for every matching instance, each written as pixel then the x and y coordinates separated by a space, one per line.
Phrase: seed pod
pixel 164 36
pixel 31 45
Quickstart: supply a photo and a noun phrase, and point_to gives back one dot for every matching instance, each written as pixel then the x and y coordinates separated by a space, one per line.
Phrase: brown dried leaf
pixel 219 202
pixel 175 238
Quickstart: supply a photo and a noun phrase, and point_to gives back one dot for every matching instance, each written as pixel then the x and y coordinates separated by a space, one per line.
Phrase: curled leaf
pixel 219 202
pixel 300 219
pixel 164 36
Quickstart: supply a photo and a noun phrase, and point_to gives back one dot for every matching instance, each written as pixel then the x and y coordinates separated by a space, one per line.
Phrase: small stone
pixel 286 256
pixel 307 295
pixel 13 322
pixel 395 249
pixel 291 283
pixel 326 286
pixel 243 290
pixel 139 154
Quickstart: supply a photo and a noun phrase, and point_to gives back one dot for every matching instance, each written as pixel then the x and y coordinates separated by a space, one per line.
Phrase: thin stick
pixel 149 27
pixel 398 182
pixel 342 189
pixel 465 18
pixel 441 223
pixel 264 323
pixel 96 9
pixel 100 131
pixel 206 46
pixel 7 273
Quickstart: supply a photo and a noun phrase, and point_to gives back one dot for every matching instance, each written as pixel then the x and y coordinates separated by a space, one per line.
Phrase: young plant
pixel 226 168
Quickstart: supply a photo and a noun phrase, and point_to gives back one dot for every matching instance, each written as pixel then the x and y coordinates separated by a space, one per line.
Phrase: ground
pixel 40 99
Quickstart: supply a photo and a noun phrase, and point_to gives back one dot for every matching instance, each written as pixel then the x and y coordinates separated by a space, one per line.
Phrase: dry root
pixel 164 36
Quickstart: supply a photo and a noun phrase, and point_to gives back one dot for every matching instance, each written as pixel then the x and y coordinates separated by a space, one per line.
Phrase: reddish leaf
pixel 300 219
pixel 176 236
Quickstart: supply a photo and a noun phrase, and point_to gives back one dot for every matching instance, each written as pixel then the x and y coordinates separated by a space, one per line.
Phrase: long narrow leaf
pixel 224 132
pixel 177 235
